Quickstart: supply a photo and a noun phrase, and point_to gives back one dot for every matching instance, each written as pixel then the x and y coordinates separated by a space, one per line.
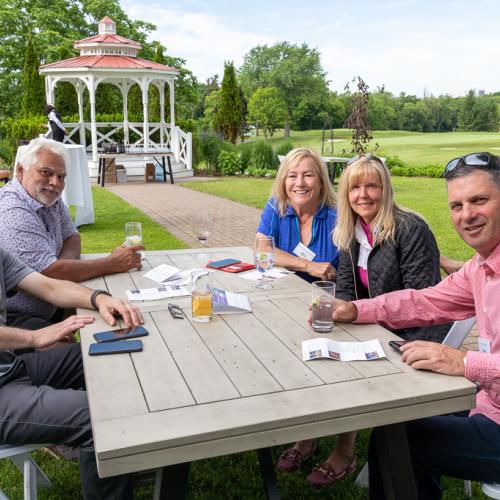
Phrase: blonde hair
pixel 345 230
pixel 292 159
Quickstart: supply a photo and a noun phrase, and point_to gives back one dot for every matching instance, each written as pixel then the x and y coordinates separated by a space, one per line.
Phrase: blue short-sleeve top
pixel 286 232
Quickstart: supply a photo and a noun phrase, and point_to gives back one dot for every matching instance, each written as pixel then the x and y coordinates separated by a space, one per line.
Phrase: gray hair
pixel 27 156
pixel 462 169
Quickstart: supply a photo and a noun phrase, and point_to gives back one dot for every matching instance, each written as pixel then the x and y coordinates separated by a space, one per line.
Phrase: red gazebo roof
pixel 107 38
pixel 108 62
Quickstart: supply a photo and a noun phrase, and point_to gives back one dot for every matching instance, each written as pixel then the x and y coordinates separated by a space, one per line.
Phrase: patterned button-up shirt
pixel 472 291
pixel 35 234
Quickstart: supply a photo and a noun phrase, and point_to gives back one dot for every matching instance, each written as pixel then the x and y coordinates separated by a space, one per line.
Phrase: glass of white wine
pixel 133 234
pixel 202 228
pixel 264 259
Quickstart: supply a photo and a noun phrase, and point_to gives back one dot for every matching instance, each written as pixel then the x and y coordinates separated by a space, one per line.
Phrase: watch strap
pixel 94 295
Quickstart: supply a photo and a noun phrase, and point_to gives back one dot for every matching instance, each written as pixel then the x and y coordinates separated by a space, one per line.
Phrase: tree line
pixel 278 86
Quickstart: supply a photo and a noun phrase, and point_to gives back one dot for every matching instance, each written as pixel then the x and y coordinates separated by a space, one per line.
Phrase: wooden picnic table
pixel 238 383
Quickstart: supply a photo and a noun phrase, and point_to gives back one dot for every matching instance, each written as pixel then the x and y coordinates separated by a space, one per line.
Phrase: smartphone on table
pixel 121 334
pixel 118 347
pixel 396 344
pixel 219 264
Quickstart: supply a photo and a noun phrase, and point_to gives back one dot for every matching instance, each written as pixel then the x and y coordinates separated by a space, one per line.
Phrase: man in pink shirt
pixel 465 445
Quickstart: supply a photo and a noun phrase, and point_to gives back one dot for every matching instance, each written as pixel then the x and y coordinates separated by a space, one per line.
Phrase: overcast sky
pixel 412 46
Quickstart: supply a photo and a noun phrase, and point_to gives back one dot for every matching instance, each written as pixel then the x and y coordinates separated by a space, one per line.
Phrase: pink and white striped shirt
pixel 474 290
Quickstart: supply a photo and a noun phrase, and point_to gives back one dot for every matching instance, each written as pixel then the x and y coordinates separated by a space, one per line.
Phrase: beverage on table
pixel 264 259
pixel 201 298
pixel 202 228
pixel 133 234
pixel 323 296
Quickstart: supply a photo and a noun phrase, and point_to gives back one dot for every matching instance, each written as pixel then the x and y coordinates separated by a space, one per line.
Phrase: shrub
pixel 394 161
pixel 426 171
pixel 284 148
pixel 187 125
pixel 228 162
pixel 245 155
pixel 208 147
pixel 263 156
pixel 260 172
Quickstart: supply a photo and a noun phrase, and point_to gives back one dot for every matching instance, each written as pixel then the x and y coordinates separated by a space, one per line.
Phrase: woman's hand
pixel 322 270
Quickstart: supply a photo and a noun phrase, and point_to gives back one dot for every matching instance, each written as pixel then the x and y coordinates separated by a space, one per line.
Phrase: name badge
pixel 484 345
pixel 302 251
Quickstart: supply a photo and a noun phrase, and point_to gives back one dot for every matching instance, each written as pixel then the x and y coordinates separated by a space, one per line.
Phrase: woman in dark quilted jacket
pixel 383 248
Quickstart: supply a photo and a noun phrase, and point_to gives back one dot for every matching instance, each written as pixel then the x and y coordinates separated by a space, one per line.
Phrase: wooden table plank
pixel 193 357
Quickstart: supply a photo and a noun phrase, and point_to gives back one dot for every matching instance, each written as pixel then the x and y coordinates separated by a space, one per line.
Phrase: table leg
pixel 172 482
pixel 395 462
pixel 99 170
pixel 170 171
pixel 268 475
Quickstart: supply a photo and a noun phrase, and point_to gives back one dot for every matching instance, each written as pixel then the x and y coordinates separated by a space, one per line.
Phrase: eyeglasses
pixel 367 156
pixel 472 160
pixel 175 311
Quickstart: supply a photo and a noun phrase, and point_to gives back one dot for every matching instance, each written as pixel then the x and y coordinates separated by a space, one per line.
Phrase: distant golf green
pixel 414 148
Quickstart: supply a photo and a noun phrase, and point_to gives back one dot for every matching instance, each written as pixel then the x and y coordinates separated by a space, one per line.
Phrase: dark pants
pixel 451 445
pixel 44 401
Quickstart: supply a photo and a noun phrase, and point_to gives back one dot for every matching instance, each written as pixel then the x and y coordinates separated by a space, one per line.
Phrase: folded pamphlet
pixel 225 302
pixel 342 351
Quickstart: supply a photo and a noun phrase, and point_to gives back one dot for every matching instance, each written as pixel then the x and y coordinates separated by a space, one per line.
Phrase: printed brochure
pixel 342 351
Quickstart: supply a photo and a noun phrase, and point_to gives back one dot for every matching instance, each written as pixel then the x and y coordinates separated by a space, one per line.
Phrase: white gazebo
pixel 110 58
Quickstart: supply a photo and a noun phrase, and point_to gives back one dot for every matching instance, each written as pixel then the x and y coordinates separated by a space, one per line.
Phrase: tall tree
pixel 467 118
pixel 294 70
pixel 54 24
pixel 268 109
pixel 228 117
pixel 33 97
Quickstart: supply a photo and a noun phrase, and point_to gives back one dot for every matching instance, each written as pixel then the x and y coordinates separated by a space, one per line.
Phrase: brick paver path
pixel 174 207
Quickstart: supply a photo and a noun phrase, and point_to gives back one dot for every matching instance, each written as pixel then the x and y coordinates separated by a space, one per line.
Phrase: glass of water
pixel 264 259
pixel 323 297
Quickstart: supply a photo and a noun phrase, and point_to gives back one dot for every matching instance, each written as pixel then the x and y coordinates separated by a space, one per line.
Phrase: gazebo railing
pixel 160 136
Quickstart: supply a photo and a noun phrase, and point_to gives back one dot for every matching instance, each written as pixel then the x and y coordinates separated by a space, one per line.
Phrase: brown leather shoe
pixel 325 474
pixel 292 459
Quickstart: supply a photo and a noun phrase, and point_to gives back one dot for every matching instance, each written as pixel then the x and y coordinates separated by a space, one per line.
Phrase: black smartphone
pixel 219 264
pixel 396 344
pixel 120 334
pixel 117 347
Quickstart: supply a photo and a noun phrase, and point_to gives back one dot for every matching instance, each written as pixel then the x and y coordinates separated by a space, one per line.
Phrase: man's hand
pixel 109 307
pixel 60 332
pixel 125 258
pixel 323 270
pixel 435 357
pixel 345 312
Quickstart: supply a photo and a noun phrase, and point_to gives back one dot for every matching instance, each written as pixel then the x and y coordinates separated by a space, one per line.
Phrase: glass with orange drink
pixel 201 298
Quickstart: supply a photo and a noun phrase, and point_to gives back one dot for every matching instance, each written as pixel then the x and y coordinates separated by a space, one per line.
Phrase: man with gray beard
pixel 36 226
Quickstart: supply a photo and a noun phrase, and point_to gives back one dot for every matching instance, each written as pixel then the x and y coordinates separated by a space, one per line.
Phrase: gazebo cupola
pixel 110 58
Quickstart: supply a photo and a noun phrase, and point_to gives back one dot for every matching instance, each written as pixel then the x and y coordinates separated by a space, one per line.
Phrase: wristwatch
pixel 94 295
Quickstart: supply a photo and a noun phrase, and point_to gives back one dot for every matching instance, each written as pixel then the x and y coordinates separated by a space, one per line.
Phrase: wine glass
pixel 264 259
pixel 202 228
pixel 133 234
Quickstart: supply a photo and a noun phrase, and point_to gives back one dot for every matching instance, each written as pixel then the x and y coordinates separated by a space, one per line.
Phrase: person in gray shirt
pixel 42 393
pixel 35 225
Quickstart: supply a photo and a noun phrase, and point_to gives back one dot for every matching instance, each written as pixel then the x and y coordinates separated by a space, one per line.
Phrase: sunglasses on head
pixel 367 156
pixel 472 160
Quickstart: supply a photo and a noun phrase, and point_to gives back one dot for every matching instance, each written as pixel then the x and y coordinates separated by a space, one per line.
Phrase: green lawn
pixel 235 476
pixel 108 232
pixel 414 148
pixel 426 196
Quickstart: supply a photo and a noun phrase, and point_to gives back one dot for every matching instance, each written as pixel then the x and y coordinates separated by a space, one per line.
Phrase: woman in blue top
pixel 301 216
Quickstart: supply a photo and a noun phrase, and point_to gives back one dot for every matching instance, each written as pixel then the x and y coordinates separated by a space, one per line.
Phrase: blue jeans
pixel 451 445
